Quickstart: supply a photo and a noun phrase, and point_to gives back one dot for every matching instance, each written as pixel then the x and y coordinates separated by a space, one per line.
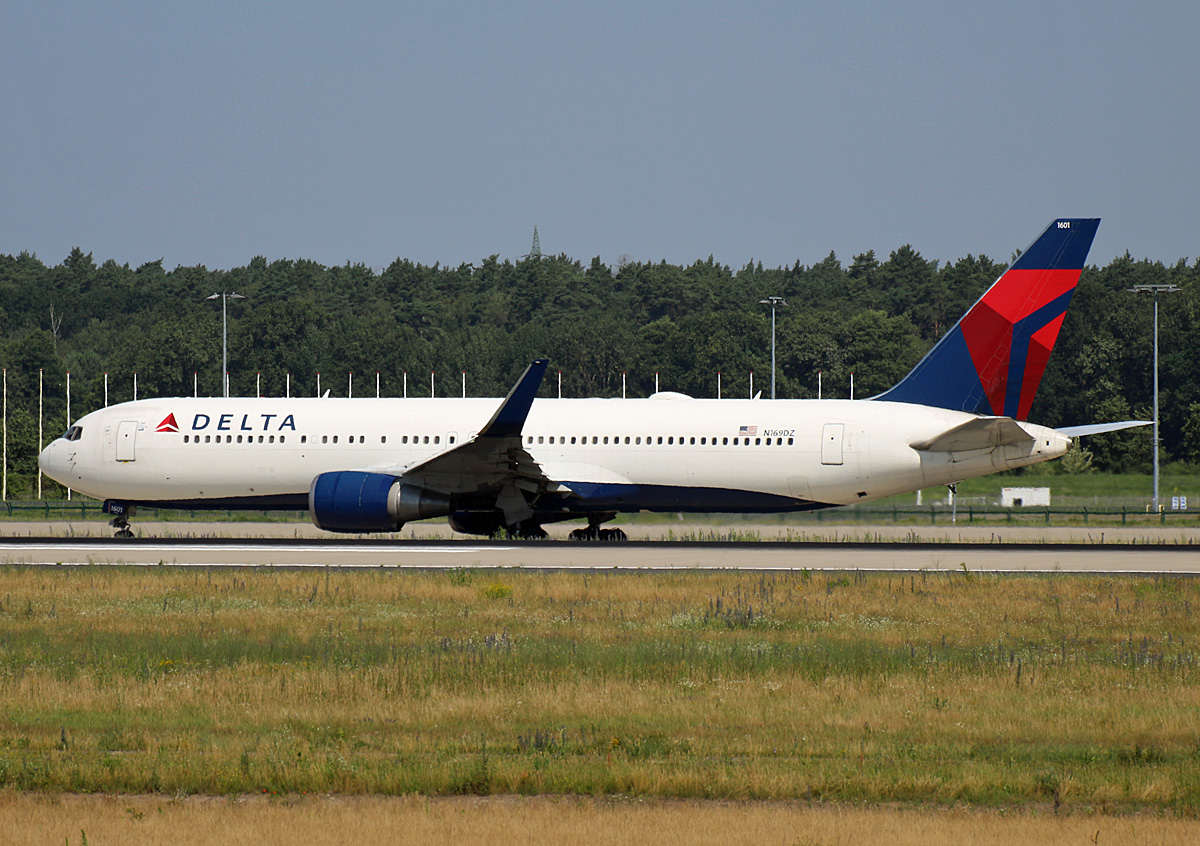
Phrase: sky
pixel 211 133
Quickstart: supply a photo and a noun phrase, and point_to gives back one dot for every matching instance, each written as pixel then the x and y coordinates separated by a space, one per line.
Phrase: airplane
pixel 492 466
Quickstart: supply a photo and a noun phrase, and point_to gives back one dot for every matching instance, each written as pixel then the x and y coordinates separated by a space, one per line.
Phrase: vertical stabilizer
pixel 993 359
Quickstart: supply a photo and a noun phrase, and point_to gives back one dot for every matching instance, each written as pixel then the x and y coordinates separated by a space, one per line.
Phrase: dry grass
pixel 136 820
pixel 941 688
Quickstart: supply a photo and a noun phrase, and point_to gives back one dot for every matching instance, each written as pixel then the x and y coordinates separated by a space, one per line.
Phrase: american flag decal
pixel 747 430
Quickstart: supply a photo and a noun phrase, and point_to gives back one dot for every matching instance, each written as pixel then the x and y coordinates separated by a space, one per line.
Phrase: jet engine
pixel 358 501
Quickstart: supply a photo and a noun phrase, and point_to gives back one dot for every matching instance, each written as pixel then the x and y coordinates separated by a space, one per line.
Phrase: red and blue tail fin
pixel 993 359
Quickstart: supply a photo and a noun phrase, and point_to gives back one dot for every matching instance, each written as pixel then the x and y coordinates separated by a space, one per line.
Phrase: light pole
pixel 225 295
pixel 1155 290
pixel 773 302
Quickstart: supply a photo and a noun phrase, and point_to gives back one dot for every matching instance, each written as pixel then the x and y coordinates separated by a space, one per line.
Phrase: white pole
pixel 224 344
pixel 818 384
pixel 195 384
pixel 318 383
pixel 376 384
pixel 622 384
pixel 288 386
pixel 4 492
pixel 135 387
pixel 431 383
pixel 106 390
pixel 39 430
pixel 718 384
pixel 852 385
pixel 656 381
pixel 406 384
pixel 258 384
pixel 350 385
pixel 68 415
pixel 560 384
pixel 751 384
pixel 464 384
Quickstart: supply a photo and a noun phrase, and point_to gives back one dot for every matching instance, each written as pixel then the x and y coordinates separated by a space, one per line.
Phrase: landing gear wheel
pixel 595 533
pixel 528 531
pixel 122 527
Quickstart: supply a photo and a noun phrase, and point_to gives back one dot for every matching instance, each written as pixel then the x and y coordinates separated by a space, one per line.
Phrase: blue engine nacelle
pixel 357 501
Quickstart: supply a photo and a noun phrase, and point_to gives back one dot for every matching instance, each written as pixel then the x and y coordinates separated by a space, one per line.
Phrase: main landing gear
pixel 593 532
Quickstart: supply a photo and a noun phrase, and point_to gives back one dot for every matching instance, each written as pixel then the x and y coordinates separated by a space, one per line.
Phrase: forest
pixel 301 322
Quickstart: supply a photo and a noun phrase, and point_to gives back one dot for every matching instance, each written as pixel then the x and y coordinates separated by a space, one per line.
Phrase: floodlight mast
pixel 225 295
pixel 773 302
pixel 1155 290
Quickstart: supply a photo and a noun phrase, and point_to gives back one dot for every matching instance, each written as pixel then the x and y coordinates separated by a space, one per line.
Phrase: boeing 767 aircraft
pixel 489 465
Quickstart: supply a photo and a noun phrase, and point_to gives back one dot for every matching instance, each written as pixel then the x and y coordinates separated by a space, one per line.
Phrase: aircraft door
pixel 126 437
pixel 831 443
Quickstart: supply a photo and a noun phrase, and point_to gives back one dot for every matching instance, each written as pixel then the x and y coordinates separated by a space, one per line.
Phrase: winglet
pixel 510 416
pixel 993 359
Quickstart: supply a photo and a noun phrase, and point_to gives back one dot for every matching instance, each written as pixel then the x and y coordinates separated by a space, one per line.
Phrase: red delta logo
pixel 168 424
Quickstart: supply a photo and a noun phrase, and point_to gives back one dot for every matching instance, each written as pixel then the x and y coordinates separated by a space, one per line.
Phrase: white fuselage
pixel 768 455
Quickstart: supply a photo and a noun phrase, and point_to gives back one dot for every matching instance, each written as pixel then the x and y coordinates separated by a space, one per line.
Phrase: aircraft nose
pixel 52 461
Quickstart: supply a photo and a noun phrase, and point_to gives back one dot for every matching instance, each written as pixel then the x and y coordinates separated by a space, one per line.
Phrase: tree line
pixel 870 318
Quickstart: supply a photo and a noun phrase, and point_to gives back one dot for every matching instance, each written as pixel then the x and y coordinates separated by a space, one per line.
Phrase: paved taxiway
pixel 633 555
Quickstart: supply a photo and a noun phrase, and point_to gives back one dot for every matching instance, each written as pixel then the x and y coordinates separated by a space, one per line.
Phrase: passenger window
pixel 572 439
pixel 437 439
pixel 207 438
pixel 551 439
pixel 626 439
pixel 758 441
pixel 452 439
pixel 529 439
pixel 703 441
pixel 735 441
pixel 324 439
pixel 185 439
pixel 383 439
pixel 271 439
pixel 595 439
pixel 691 440
pixel 660 439
pixel 724 441
pixel 426 439
pixel 335 439
pixel 789 441
pixel 229 439
pixel 541 439
pixel 282 438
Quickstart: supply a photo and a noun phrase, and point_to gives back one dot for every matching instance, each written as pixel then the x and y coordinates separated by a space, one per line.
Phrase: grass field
pixel 550 821
pixel 1071 693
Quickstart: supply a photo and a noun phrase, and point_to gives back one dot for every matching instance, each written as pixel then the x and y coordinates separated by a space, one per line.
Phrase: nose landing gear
pixel 121 513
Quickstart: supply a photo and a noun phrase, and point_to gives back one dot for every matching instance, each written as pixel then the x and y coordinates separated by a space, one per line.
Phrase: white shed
pixel 1021 497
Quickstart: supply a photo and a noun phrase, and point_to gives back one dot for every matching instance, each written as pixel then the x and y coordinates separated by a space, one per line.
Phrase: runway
pixel 633 555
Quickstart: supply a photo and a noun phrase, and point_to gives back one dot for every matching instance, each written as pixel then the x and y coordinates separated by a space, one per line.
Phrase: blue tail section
pixel 993 359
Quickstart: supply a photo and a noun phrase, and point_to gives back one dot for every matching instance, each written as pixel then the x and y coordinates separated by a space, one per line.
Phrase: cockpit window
pixel 74 433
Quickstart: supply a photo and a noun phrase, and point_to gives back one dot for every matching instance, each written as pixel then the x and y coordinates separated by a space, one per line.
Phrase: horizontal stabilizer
pixel 1100 428
pixel 980 433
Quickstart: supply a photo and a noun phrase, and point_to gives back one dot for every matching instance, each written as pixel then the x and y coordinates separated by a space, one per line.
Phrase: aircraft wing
pixel 493 459
pixel 980 433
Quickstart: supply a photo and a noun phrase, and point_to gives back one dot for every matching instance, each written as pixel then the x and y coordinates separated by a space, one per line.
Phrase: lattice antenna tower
pixel 536 250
